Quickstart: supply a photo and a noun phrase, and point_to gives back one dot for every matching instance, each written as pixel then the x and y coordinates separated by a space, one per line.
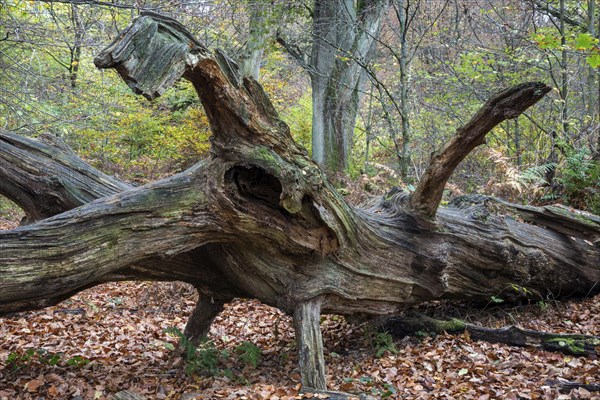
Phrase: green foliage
pixel 78 361
pixel 299 119
pixel 384 342
pixel 8 209
pixel 579 176
pixel 387 391
pixel 147 139
pixel 550 39
pixel 536 174
pixel 585 41
pixel 249 353
pixel 203 359
pixel 16 361
pixel 594 58
pixel 543 305
pixel 520 289
pixel 138 140
pixel 547 39
pixel 206 358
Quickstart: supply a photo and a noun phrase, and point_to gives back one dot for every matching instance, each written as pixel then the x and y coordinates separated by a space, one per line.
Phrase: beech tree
pixel 344 34
pixel 259 219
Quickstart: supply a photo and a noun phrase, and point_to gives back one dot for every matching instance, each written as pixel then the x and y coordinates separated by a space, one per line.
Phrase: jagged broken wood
pixel 259 219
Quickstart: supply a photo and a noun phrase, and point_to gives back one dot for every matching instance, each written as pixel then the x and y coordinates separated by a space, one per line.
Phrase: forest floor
pixel 116 337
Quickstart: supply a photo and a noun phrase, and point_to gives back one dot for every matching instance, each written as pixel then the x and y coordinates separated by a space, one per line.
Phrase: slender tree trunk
pixel 593 109
pixel 401 9
pixel 368 128
pixel 592 73
pixel 564 73
pixel 517 140
pixel 79 32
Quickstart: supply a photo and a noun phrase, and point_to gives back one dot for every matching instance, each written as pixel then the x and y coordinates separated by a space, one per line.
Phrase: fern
pixel 537 174
pixel 385 168
pixel 580 178
pixel 383 342
pixel 204 358
pixel 249 353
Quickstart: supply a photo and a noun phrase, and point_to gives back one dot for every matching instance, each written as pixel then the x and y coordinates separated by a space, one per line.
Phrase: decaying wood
pixel 259 219
pixel 509 103
pixel 49 179
pixel 307 319
pixel 45 179
pixel 201 319
pixel 566 386
pixel 574 344
pixel 128 395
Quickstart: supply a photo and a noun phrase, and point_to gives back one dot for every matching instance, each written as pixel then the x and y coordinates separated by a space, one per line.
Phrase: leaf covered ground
pixel 114 337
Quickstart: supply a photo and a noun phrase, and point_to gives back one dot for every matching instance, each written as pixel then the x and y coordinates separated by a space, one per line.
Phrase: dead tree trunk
pixel 259 219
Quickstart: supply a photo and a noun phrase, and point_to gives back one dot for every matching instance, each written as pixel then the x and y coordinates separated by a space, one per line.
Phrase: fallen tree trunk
pixel 44 177
pixel 259 219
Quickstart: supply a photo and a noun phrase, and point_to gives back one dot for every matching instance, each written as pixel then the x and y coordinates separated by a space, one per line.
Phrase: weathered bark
pixel 574 344
pixel 258 218
pixel 509 103
pixel 307 316
pixel 44 177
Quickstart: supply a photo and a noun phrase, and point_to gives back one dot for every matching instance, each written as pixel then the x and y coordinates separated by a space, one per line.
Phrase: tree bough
pixel 259 219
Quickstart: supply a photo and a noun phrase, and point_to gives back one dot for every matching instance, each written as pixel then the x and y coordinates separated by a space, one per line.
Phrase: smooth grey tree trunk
pixel 401 8
pixel 252 53
pixel 344 39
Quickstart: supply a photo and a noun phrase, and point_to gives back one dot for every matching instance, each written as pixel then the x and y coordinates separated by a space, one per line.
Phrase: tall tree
pixel 344 37
pixel 411 26
pixel 593 90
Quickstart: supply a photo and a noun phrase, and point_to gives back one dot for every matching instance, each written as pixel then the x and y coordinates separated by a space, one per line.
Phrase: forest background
pixel 435 62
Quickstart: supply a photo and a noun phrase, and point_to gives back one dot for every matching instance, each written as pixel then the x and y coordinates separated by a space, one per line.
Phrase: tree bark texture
pixel 307 316
pixel 259 219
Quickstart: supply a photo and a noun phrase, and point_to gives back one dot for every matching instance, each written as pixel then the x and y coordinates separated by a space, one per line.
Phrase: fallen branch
pixel 566 386
pixel 573 344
